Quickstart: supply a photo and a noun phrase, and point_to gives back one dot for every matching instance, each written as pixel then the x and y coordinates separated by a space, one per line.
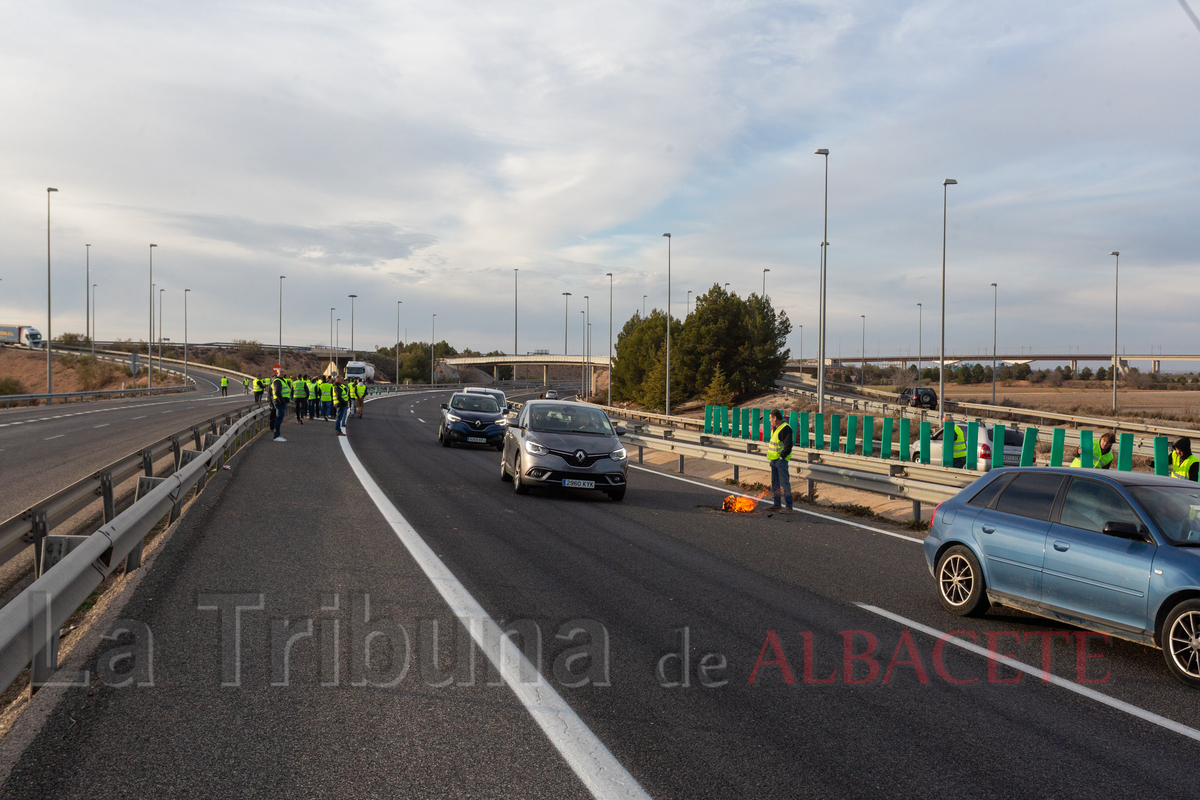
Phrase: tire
pixel 616 494
pixel 504 476
pixel 519 486
pixel 960 582
pixel 1181 642
pixel 444 437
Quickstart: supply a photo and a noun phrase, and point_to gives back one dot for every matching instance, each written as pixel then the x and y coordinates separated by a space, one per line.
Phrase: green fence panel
pixel 737 423
pixel 803 430
pixel 851 434
pixel 835 433
pixel 925 430
pixel 1085 449
pixel 1125 454
pixel 904 440
pixel 868 448
pixel 1029 447
pixel 885 438
pixel 745 423
pixel 1058 443
pixel 756 421
pixel 708 418
pixel 793 421
pixel 947 444
pixel 726 423
pixel 1162 457
pixel 997 449
pixel 819 430
pixel 972 445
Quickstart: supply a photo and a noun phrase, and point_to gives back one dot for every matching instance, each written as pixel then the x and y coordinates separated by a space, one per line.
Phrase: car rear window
pixel 1013 437
pixel 984 497
pixel 1030 494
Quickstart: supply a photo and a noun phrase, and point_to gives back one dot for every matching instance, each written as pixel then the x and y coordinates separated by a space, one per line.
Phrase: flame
pixel 740 505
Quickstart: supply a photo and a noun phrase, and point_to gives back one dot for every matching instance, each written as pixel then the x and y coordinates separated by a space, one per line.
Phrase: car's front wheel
pixel 519 486
pixel 1181 642
pixel 960 582
pixel 444 436
pixel 504 476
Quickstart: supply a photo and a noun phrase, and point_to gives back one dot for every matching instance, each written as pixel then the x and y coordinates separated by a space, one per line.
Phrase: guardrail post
pixel 1058 441
pixel 641 451
pixel 916 510
pixel 851 434
pixel 196 435
pixel 885 438
pixel 40 529
pixel 973 445
pixel 106 492
pixel 1125 453
pixel 835 433
pixel 1028 447
pixel 819 430
pixel 176 449
pixel 681 463
pixel 45 662
pixel 148 462
pixel 736 472
pixel 1085 450
pixel 1162 459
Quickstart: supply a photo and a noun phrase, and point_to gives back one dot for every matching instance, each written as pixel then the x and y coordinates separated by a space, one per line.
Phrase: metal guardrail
pixel 97 394
pixel 35 523
pixel 29 624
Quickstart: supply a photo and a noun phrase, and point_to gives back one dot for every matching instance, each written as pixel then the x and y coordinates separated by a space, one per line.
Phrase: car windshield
pixel 475 402
pixel 569 419
pixel 1174 509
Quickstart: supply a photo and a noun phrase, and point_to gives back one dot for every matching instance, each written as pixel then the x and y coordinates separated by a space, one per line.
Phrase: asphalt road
pixel 44 449
pixel 292 524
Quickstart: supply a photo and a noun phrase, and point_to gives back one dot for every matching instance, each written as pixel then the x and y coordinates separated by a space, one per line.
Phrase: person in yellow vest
pixel 360 391
pixel 300 397
pixel 326 399
pixel 224 386
pixel 281 393
pixel 1102 452
pixel 341 404
pixel 314 396
pixel 1183 464
pixel 959 454
pixel 779 456
pixel 245 386
pixel 259 385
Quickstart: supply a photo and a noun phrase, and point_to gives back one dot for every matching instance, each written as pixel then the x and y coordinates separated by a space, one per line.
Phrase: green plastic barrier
pixel 947 444
pixel 745 423
pixel 1058 443
pixel 997 450
pixel 794 422
pixel 724 420
pixel 925 431
pixel 1162 457
pixel 885 439
pixel 1028 447
pixel 868 448
pixel 756 421
pixel 802 436
pixel 972 445
pixel 1085 448
pixel 835 433
pixel 737 423
pixel 819 430
pixel 1125 454
pixel 708 419
pixel 851 434
pixel 904 445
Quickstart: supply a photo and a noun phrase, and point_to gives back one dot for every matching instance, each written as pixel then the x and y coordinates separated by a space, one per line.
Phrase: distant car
pixel 919 398
pixel 1014 439
pixel 551 394
pixel 571 445
pixel 500 397
pixel 472 419
pixel 1114 552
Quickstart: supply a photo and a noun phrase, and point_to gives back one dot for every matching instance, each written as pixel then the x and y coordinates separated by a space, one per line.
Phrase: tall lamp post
pixel 862 365
pixel 49 336
pixel 765 271
pixel 821 323
pixel 995 313
pixel 643 306
pixel 687 309
pixel 87 306
pixel 583 351
pixel 609 275
pixel 801 350
pixel 1116 365
pixel 398 304
pixel 185 336
pixel 668 411
pixel 566 317
pixel 160 302
pixel 433 351
pixel 942 340
pixel 93 320
pixel 332 363
pixel 150 337
pixel 280 353
pixel 515 351
pixel 352 352
pixel 920 329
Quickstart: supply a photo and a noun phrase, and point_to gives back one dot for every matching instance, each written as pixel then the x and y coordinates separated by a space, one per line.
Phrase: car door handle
pixel 1062 547
pixel 988 529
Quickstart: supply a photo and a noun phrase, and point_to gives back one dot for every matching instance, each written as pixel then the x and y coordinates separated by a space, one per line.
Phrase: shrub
pixel 12 386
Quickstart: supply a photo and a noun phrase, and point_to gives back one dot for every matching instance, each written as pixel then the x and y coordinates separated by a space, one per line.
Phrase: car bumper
pixel 552 470
pixel 463 434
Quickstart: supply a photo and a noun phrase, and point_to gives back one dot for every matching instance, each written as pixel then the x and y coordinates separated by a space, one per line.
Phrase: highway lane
pixel 44 449
pixel 664 560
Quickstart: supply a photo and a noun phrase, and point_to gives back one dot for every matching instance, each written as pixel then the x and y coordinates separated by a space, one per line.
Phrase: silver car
pixel 572 445
pixel 1013 442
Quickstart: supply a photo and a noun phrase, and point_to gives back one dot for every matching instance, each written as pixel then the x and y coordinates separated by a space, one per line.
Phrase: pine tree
pixel 718 392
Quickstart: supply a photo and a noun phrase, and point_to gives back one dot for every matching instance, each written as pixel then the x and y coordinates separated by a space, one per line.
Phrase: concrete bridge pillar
pixel 495 372
pixel 545 369
pixel 1154 366
pixel 1074 366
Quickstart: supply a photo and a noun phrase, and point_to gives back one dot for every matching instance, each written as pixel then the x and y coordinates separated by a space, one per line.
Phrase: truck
pixel 360 370
pixel 20 335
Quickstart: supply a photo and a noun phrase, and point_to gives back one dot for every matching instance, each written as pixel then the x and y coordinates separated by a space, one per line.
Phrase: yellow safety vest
pixel 960 443
pixel 224 382
pixel 775 448
pixel 299 390
pixel 1099 459
pixel 360 390
pixel 327 392
pixel 1180 467
pixel 280 390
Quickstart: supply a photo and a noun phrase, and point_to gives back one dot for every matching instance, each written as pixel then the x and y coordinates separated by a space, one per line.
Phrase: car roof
pixel 1115 476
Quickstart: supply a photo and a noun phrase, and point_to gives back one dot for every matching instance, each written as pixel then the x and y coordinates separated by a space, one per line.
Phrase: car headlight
pixel 501 422
pixel 533 448
pixel 453 418
pixel 618 454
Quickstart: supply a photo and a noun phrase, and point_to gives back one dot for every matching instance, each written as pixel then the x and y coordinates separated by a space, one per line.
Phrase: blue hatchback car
pixel 1115 552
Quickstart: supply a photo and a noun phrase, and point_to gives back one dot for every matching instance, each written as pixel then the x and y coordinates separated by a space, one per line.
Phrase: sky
pixel 422 152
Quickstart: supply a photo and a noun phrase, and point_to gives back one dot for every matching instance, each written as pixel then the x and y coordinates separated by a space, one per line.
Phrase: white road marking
pixel 421 421
pixel 105 425
pixel 143 416
pixel 1070 686
pixel 48 438
pixel 798 510
pixel 591 761
pixel 168 412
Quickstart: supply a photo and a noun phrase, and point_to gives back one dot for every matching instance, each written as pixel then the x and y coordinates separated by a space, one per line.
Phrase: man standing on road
pixel 224 386
pixel 360 391
pixel 314 394
pixel 327 389
pixel 300 397
pixel 245 386
pixel 259 385
pixel 959 444
pixel 280 394
pixel 341 405
pixel 779 456
pixel 1102 452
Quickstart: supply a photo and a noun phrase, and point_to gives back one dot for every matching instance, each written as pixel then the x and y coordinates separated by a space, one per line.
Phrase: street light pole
pixel 515 351
pixel 433 351
pixel 398 304
pixel 862 364
pixel 920 328
pixel 609 275
pixel 566 317
pixel 583 351
pixel 668 411
pixel 353 354
pixel 821 322
pixel 185 336
pixel 49 335
pixel 764 294
pixel 1116 305
pixel 93 320
pixel 995 314
pixel 942 341
pixel 160 304
pixel 687 309
pixel 801 350
pixel 643 306
pixel 332 363
pixel 150 338
pixel 587 350
pixel 280 354
pixel 87 307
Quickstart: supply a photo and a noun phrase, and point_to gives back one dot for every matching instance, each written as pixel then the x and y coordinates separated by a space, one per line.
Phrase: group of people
pixel 333 399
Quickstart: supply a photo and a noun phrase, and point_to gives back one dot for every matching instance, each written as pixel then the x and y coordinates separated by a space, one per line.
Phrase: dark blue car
pixel 472 419
pixel 1115 552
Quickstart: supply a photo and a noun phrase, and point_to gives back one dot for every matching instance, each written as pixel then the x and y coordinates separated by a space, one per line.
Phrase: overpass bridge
pixel 591 364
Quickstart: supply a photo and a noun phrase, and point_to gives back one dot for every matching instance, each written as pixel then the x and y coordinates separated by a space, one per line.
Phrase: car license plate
pixel 477 439
pixel 574 484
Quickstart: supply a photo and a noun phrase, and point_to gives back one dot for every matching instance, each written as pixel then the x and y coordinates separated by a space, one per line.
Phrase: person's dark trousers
pixel 280 413
pixel 301 408
pixel 959 463
pixel 257 398
pixel 342 412
pixel 781 480
pixel 312 407
pixel 326 409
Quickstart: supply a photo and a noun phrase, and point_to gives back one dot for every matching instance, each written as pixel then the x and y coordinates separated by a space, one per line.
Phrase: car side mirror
pixel 512 420
pixel 621 430
pixel 445 405
pixel 1124 530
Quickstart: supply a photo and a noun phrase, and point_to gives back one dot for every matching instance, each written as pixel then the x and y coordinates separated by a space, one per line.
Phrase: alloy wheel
pixel 1184 643
pixel 956 580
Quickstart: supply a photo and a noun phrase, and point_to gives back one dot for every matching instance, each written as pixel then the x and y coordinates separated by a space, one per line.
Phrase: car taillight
pixel 985 450
pixel 933 516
